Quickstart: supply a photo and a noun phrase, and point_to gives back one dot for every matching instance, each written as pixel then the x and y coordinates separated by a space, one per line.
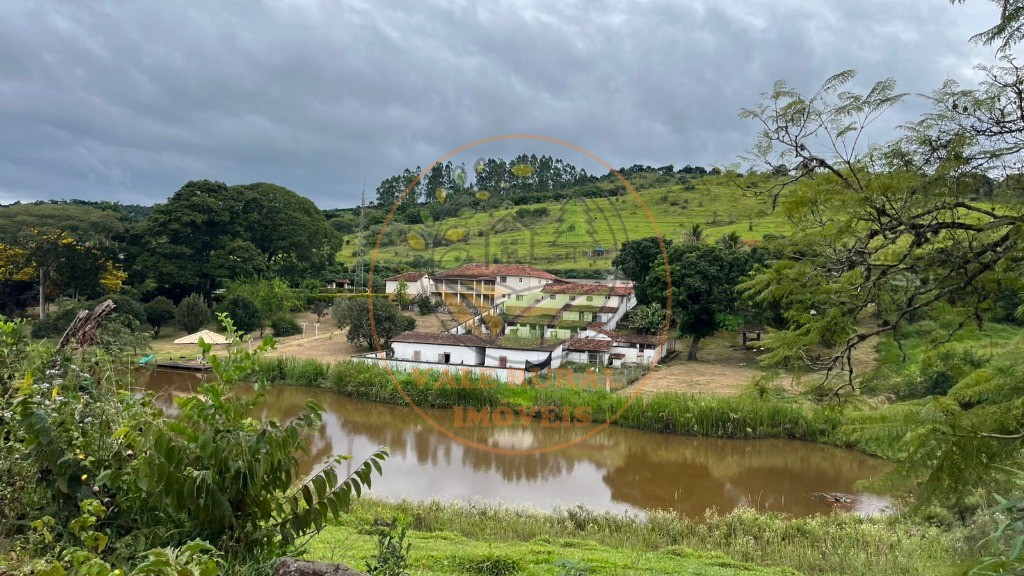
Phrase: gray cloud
pixel 127 101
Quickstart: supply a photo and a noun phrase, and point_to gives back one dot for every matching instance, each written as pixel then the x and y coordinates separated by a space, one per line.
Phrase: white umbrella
pixel 207 336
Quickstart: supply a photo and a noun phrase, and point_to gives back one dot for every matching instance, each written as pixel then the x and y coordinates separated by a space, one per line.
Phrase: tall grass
pixel 835 544
pixel 744 416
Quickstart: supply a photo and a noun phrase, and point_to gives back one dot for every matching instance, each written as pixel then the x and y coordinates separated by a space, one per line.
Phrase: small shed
pixel 336 283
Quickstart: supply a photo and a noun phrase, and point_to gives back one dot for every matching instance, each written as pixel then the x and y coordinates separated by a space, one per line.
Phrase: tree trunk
pixel 42 293
pixel 293 567
pixel 692 354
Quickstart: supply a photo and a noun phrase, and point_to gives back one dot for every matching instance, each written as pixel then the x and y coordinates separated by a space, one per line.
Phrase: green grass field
pixel 567 236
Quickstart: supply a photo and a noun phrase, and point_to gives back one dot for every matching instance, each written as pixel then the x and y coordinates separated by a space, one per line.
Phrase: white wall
pixel 420 286
pixel 464 355
pixel 509 375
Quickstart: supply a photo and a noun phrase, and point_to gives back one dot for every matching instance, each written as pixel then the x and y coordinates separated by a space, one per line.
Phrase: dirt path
pixel 331 345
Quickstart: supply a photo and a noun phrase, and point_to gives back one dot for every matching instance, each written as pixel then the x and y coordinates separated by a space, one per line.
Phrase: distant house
pixel 520 321
pixel 336 283
pixel 482 286
pixel 416 283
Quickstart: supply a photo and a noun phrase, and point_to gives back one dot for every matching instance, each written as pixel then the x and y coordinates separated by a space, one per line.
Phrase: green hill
pixel 568 234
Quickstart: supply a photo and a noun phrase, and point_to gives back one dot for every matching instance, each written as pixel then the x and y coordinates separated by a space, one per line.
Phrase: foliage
pixel 284 325
pixel 402 294
pixel 160 312
pixel 1008 538
pixel 703 293
pixel 209 232
pixel 243 312
pixel 271 298
pixel 320 308
pixel 424 305
pixel 637 258
pixel 193 313
pixel 450 535
pixel 893 232
pixel 648 319
pixel 1009 31
pixel 111 479
pixel 392 557
pixel 355 315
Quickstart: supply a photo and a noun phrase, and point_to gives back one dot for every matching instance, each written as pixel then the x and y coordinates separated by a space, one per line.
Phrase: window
pixel 416 355
pixel 520 279
pixel 552 296
pixel 519 297
pixel 444 357
pixel 502 361
pixel 593 357
pixel 503 279
pixel 590 298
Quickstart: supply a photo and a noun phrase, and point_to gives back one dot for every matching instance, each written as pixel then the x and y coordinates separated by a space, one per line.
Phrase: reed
pixel 840 543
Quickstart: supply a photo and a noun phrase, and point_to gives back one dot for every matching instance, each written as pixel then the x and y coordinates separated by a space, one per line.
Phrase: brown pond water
pixel 618 469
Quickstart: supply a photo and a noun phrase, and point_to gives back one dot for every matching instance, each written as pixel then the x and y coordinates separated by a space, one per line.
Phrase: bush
pixel 193 313
pixel 56 323
pixel 243 312
pixel 159 313
pixel 284 325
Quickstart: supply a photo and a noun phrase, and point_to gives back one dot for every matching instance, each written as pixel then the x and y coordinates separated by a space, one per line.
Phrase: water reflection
pixel 618 469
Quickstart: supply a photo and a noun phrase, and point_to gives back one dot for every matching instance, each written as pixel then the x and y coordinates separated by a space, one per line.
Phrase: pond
pixel 618 469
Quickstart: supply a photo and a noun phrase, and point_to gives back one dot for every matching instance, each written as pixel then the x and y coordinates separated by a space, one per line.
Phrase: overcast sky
pixel 129 100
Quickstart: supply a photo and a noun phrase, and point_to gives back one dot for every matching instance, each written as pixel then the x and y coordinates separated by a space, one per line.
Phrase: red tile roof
pixel 495 270
pixel 442 338
pixel 408 277
pixel 589 345
pixel 587 289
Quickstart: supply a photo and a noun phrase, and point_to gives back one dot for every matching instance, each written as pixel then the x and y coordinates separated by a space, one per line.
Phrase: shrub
pixel 284 325
pixel 160 312
pixel 57 322
pixel 193 313
pixel 243 312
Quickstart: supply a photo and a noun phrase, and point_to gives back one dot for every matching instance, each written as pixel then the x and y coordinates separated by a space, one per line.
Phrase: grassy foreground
pixel 487 539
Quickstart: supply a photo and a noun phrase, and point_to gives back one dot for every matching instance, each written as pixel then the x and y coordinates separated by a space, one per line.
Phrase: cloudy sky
pixel 129 100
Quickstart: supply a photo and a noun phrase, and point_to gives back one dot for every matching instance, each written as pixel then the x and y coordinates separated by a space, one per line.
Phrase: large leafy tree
pixel 703 293
pixel 209 232
pixel 636 258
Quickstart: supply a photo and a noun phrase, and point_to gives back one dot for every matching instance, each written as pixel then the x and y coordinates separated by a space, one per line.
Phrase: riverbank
pixel 464 539
pixel 740 416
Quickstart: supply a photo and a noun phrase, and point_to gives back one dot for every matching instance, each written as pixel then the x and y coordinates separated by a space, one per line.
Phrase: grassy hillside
pixel 570 231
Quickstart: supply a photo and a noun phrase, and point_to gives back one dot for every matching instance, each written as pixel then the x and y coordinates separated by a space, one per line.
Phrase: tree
pixel 402 294
pixel 320 308
pixel 703 295
pixel 272 298
pixel 649 319
pixel 731 241
pixel 160 311
pixel 636 258
pixel 193 313
pixel 244 313
pixel 891 231
pixel 388 321
pixel 1008 31
pixel 695 234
